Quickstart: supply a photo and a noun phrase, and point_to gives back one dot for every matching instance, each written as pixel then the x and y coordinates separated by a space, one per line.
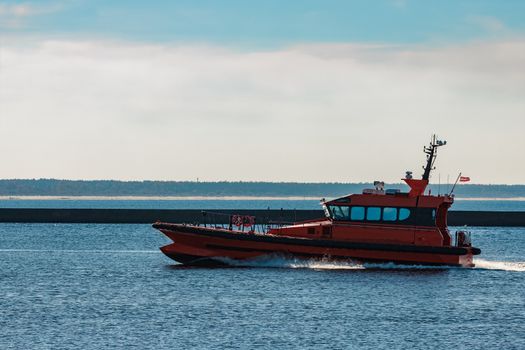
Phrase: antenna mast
pixel 431 152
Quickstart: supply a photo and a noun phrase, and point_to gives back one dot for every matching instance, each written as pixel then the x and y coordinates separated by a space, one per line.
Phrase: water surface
pixel 107 286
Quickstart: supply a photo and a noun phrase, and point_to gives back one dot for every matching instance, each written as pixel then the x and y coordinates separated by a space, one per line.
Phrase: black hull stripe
pixel 314 243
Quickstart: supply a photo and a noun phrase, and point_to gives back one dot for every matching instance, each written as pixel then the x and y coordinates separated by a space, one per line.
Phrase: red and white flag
pixel 464 179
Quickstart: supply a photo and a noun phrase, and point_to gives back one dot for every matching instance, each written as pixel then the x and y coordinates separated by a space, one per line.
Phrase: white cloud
pixel 14 16
pixel 27 9
pixel 340 112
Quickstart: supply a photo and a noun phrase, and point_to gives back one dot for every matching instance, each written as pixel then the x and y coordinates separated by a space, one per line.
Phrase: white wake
pixel 294 263
pixel 322 264
pixel 516 266
pixel 316 264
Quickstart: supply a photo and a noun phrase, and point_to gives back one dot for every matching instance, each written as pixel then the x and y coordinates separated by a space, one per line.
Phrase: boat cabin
pixel 394 210
pixel 385 216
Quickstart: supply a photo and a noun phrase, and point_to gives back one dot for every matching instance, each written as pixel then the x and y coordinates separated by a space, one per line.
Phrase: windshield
pixel 339 212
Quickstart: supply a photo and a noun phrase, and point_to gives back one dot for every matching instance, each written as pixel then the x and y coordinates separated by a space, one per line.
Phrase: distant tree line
pixel 53 187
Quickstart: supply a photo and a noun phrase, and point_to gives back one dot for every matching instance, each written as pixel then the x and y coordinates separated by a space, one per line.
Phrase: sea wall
pixel 147 216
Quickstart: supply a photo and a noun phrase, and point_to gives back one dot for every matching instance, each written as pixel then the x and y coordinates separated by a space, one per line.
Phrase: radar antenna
pixel 431 152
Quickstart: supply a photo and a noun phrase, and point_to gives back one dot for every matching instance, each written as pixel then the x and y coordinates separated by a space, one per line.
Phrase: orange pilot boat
pixel 377 225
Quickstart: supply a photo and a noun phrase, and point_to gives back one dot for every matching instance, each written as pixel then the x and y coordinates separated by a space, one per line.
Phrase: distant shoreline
pixel 211 198
pixel 52 189
pixel 166 198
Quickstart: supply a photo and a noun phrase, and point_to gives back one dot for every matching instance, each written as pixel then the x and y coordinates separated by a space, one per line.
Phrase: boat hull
pixel 195 245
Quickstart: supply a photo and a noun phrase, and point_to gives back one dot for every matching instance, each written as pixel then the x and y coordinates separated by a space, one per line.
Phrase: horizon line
pixel 250 181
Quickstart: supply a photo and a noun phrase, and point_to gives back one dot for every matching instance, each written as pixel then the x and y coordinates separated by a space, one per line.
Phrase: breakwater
pixel 146 216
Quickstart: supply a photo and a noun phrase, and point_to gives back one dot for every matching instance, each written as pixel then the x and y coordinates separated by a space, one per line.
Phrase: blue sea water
pixel 67 286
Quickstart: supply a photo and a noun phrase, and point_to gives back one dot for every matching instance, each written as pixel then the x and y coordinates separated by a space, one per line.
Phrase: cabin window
pixel 357 213
pixel 389 214
pixel 404 214
pixel 373 214
pixel 426 217
pixel 340 212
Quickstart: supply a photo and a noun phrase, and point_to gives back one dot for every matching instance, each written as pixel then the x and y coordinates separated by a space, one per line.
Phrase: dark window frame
pixel 417 216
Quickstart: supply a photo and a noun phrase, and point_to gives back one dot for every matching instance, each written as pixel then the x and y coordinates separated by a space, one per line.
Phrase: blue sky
pixel 261 90
pixel 274 22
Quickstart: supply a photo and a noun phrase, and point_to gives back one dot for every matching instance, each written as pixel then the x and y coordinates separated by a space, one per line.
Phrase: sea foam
pixel 516 266
pixel 325 264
